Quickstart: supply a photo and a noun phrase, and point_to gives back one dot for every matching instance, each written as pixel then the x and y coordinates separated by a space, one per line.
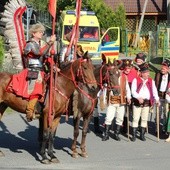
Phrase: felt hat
pixel 141 56
pixel 166 63
pixel 144 67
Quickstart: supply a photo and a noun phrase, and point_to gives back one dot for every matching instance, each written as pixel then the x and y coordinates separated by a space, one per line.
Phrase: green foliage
pixel 38 5
pixel 1 51
pixel 107 17
pixel 120 16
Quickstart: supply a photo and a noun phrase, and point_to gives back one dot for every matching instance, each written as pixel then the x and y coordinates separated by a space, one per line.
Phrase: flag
pixel 52 7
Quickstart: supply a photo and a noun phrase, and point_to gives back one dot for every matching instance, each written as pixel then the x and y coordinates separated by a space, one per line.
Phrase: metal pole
pixel 29 13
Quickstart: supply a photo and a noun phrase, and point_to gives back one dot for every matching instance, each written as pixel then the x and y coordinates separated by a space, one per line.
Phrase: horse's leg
pixel 86 121
pixel 3 107
pixel 76 123
pixel 40 131
pixel 43 138
pixel 54 159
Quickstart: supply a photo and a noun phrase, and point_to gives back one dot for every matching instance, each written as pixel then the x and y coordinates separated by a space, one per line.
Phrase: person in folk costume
pixel 162 79
pixel 116 107
pixel 34 54
pixel 131 73
pixel 167 97
pixel 144 94
pixel 139 59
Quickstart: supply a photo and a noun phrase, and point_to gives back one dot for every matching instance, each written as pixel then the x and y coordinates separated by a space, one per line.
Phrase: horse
pixel 79 70
pixel 86 101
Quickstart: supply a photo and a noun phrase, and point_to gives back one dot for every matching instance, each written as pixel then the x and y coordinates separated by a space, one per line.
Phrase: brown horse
pixel 80 71
pixel 107 73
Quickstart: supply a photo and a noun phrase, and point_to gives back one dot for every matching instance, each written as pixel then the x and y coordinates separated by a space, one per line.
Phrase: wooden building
pixel 156 13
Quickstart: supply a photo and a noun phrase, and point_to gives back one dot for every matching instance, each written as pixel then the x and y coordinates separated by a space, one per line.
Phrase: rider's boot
pixel 30 114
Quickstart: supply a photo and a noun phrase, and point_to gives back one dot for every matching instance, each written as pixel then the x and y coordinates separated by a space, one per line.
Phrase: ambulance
pixel 90 37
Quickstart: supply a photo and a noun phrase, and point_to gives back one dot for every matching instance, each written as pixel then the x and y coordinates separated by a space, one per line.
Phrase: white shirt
pixel 144 91
pixel 164 83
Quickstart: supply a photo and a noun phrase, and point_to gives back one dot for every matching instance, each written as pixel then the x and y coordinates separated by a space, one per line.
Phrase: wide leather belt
pixel 146 103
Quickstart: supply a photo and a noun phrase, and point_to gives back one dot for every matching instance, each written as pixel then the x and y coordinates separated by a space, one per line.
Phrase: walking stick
pixel 157 121
pixel 127 109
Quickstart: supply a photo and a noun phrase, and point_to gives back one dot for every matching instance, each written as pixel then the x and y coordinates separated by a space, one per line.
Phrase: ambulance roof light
pixel 71 12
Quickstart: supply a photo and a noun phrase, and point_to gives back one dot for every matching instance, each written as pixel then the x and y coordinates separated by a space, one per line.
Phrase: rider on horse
pixel 34 54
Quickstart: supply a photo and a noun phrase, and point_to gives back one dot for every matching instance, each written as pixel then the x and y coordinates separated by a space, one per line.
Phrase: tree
pixel 36 4
pixel 107 17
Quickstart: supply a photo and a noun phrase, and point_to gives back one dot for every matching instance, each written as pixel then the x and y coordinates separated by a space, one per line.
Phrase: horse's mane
pixel 65 65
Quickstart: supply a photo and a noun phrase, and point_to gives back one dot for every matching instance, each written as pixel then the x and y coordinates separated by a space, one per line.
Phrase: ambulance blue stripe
pixel 109 48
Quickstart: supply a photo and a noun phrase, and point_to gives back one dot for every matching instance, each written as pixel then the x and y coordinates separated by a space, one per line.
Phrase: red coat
pixel 19 86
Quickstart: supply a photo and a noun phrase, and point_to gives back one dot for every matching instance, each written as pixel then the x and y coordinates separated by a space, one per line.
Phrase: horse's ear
pixel 103 59
pixel 86 55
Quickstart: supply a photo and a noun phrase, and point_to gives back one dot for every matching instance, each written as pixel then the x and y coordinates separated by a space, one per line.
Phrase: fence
pixel 153 43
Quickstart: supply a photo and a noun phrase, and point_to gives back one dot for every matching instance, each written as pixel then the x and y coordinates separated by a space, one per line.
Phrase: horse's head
pixel 84 68
pixel 112 76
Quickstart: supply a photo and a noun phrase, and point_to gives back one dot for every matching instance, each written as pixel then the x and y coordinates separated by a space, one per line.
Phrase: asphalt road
pixel 18 141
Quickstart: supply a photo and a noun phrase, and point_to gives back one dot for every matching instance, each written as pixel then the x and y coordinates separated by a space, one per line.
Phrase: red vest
pixel 149 86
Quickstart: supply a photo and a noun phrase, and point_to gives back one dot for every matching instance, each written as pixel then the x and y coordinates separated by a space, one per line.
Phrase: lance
pixel 52 11
pixel 75 32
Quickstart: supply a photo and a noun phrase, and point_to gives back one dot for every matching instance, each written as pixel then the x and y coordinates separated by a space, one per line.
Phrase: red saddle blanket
pixel 19 85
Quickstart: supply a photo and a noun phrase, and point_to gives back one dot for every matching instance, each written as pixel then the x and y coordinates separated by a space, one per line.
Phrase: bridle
pixel 80 73
pixel 107 78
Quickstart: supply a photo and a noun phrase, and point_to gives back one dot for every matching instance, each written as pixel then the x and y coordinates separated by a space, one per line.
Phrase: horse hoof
pixel 55 160
pixel 45 161
pixel 1 154
pixel 84 155
pixel 75 155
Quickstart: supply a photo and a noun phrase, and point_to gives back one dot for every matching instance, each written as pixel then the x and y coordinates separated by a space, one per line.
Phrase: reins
pixel 73 79
pixel 106 78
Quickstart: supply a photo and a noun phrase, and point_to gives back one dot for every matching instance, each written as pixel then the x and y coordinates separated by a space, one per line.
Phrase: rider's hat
pixel 36 28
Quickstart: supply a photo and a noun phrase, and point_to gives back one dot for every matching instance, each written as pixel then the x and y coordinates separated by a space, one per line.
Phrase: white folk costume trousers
pixel 138 112
pixel 113 110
